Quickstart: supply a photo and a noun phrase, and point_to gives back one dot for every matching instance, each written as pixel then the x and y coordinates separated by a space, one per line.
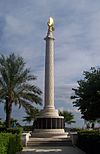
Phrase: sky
pixel 23 27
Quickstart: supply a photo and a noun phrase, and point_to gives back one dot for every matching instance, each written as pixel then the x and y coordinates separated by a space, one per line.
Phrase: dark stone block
pixel 49 123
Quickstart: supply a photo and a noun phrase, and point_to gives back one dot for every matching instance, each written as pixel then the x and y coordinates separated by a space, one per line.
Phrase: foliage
pixel 14 122
pixel 3 144
pixel 16 85
pixel 75 129
pixel 3 149
pixel 89 141
pixel 2 124
pixel 10 143
pixel 87 95
pixel 68 116
pixel 11 130
pixel 32 113
pixel 27 128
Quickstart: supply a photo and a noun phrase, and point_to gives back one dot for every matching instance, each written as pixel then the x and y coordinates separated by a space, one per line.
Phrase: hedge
pixel 11 130
pixel 27 128
pixel 10 143
pixel 89 141
pixel 4 141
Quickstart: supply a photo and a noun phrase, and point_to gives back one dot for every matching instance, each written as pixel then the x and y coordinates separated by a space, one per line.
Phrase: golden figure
pixel 51 24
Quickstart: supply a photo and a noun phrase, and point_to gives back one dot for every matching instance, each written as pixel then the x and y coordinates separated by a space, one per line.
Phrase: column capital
pixel 49 36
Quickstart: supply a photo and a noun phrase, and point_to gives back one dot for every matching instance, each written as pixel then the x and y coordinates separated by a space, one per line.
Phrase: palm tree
pixel 68 117
pixel 32 114
pixel 16 85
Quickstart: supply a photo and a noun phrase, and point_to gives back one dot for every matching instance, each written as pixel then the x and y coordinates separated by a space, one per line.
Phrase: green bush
pixel 3 149
pixel 89 141
pixel 14 142
pixel 4 140
pixel 10 143
pixel 11 130
pixel 75 129
pixel 14 130
pixel 27 128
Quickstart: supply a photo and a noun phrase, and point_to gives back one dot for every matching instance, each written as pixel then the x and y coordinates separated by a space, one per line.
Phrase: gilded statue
pixel 50 24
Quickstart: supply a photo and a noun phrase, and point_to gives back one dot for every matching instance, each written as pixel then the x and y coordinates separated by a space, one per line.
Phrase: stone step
pixel 49 142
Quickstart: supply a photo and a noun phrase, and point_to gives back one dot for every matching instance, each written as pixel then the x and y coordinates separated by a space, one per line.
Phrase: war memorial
pixel 48 134
pixel 49 123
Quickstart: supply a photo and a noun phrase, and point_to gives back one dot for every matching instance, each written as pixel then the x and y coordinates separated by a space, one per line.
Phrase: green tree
pixel 31 114
pixel 68 117
pixel 87 95
pixel 16 85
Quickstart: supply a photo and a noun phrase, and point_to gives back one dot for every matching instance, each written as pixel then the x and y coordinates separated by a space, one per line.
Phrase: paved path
pixel 52 150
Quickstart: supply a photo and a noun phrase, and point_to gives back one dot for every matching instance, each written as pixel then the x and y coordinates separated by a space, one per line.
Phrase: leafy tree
pixel 32 113
pixel 16 85
pixel 87 95
pixel 68 117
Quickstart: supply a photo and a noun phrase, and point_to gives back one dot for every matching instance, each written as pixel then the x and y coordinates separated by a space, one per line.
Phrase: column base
pixel 49 112
pixel 49 133
pixel 49 127
pixel 49 124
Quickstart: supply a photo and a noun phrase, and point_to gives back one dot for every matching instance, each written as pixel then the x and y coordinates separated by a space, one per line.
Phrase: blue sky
pixel 23 26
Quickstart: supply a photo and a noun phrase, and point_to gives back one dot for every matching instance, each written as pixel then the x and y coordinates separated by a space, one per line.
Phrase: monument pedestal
pixel 49 124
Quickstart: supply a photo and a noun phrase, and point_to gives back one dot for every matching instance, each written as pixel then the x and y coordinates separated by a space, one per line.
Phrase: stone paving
pixel 52 150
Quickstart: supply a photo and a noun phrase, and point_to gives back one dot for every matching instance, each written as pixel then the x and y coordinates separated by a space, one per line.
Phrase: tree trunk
pixel 8 112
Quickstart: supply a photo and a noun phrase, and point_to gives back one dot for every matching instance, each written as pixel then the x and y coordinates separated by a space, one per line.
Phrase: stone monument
pixel 49 123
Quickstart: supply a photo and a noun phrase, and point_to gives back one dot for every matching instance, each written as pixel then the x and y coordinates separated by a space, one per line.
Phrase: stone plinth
pixel 49 123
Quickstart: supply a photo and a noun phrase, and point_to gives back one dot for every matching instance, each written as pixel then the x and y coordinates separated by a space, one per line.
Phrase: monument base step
pixel 49 142
pixel 49 133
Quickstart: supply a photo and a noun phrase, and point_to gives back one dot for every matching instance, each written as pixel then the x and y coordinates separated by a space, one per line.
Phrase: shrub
pixel 10 143
pixel 27 128
pixel 3 149
pixel 89 141
pixel 4 143
pixel 14 142
pixel 75 129
pixel 11 130
pixel 14 130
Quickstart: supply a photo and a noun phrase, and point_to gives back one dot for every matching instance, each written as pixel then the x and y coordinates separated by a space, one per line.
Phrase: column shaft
pixel 49 71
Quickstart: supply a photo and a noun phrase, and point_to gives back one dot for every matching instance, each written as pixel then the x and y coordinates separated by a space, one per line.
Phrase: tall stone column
pixel 49 108
pixel 49 71
pixel 49 123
